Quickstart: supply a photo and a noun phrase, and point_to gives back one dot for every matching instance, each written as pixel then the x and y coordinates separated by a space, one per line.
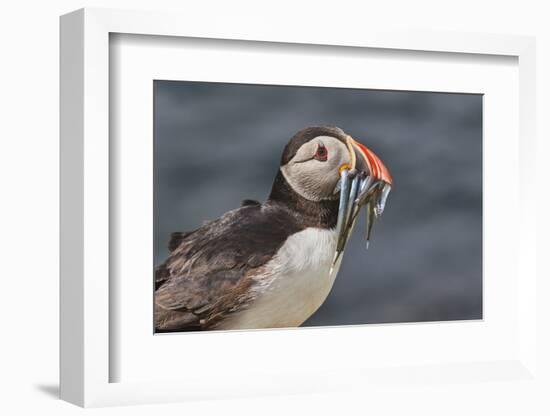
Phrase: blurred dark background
pixel 217 144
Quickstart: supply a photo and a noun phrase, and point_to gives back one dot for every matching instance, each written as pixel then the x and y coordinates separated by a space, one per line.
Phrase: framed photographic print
pixel 279 212
pixel 268 264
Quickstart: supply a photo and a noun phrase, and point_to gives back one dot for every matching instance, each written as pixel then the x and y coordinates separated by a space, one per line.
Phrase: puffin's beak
pixel 368 162
pixel 365 181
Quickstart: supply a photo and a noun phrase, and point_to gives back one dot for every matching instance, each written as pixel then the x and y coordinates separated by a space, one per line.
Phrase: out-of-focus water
pixel 217 144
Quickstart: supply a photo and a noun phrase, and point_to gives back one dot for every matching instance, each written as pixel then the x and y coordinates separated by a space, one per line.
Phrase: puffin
pixel 272 264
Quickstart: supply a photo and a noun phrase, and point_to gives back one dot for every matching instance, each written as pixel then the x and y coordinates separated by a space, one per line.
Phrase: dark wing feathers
pixel 176 239
pixel 248 202
pixel 161 272
pixel 209 271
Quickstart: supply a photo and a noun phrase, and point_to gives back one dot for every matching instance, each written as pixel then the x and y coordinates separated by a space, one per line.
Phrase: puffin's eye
pixel 321 153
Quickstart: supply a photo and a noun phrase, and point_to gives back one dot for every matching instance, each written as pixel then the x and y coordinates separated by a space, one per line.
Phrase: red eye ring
pixel 321 153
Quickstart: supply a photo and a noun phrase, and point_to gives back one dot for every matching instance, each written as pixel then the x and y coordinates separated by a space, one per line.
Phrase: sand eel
pixel 273 264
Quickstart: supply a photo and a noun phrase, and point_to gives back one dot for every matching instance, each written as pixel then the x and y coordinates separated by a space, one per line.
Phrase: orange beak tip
pixel 376 167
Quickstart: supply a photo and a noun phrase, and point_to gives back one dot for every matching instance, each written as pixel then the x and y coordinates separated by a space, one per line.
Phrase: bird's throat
pixel 320 214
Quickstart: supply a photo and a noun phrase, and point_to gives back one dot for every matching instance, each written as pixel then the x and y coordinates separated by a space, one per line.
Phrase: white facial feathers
pixel 313 176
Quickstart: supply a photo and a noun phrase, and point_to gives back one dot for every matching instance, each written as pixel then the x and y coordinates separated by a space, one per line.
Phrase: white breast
pixel 294 283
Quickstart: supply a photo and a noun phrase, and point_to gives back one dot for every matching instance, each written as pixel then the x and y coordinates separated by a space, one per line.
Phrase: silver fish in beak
pixel 365 181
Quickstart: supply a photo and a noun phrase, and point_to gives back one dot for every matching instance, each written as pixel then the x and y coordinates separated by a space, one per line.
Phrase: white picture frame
pixel 86 355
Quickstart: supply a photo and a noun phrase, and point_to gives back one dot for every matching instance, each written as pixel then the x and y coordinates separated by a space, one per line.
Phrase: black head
pixel 306 135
